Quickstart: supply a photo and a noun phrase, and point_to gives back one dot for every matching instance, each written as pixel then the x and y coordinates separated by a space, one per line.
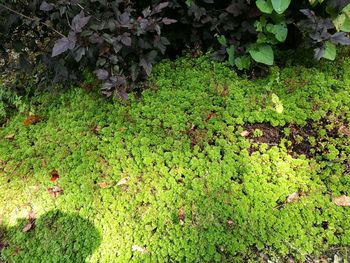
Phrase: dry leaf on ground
pixel 32 119
pixel 181 215
pixel 344 130
pixel 139 249
pixel 54 175
pixel 230 222
pixel 342 200
pixel 123 181
pixel 28 227
pixel 10 137
pixel 292 197
pixel 104 185
pixel 245 133
pixel 31 223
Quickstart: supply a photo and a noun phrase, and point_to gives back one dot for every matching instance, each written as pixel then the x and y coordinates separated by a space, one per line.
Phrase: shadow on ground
pixel 55 237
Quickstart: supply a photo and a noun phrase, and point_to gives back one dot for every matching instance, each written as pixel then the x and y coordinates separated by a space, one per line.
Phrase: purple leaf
pixel 102 74
pixel 340 38
pixel 319 52
pixel 46 7
pixel 72 37
pixel 79 21
pixel 78 54
pixel 61 46
pixel 126 40
pixel 309 14
pixel 143 23
pixel 159 7
pixel 124 18
pixel 123 94
pixel 147 60
pixel 147 66
pixel 146 12
pixel 96 39
pixel 168 21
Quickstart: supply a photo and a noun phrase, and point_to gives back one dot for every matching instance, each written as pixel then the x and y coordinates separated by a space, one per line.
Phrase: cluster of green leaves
pixel 170 177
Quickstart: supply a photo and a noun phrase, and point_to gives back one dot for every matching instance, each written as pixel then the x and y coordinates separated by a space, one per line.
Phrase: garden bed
pixel 205 167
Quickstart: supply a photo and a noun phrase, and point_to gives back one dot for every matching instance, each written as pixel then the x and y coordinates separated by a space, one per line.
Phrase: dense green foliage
pixel 171 176
pixel 122 39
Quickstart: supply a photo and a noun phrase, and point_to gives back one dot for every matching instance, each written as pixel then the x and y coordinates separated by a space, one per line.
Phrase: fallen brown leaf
pixel 104 184
pixel 10 137
pixel 181 215
pixel 31 215
pixel 54 175
pixel 96 128
pixel 211 115
pixel 55 191
pixel 28 227
pixel 342 200
pixel 3 244
pixel 245 133
pixel 292 197
pixel 344 130
pixel 123 181
pixel 31 223
pixel 139 249
pixel 32 119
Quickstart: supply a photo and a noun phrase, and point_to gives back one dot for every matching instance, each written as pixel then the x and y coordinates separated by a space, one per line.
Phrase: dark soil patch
pixel 299 136
pixel 197 136
pixel 271 135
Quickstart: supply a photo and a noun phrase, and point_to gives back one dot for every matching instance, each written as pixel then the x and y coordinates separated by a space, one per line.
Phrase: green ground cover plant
pixel 205 166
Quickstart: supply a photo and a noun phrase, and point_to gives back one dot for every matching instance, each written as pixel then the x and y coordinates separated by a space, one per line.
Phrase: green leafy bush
pixel 183 174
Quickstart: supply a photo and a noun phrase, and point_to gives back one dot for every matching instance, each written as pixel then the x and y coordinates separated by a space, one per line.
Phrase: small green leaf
pixel 231 55
pixel 280 31
pixel 264 6
pixel 262 54
pixel 222 40
pixel 242 62
pixel 342 23
pixel 280 5
pixel 330 51
pixel 278 104
pixel 345 27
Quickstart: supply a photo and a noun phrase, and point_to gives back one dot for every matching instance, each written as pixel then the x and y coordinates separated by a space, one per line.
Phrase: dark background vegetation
pixel 121 40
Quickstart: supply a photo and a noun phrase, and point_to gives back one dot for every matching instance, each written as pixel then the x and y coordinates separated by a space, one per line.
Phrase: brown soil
pixel 271 135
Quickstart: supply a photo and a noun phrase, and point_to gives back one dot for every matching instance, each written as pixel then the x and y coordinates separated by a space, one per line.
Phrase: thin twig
pixel 22 15
pixel 68 20
pixel 82 8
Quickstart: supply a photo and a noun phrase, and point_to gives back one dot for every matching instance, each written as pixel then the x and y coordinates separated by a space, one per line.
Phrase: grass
pixel 205 167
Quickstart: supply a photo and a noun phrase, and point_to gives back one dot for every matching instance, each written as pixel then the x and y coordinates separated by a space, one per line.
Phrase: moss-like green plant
pixel 169 177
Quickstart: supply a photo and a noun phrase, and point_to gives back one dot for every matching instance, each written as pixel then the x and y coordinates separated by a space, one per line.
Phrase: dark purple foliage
pixel 122 39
